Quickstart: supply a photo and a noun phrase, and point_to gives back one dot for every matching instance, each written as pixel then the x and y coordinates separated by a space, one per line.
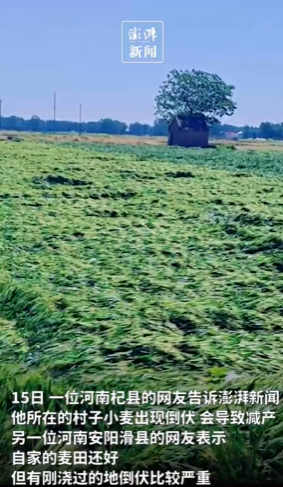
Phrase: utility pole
pixel 80 123
pixel 0 114
pixel 54 107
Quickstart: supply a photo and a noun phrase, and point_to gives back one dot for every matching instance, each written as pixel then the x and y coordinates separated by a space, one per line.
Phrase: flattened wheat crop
pixel 140 265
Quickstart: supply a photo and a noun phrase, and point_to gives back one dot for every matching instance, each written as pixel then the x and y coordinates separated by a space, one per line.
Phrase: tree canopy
pixel 194 93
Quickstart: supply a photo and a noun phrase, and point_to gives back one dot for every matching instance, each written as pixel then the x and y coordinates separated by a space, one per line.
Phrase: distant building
pixel 188 131
pixel 233 135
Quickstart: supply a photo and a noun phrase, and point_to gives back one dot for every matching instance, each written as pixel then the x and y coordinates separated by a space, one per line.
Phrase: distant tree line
pixel 266 130
pixel 104 126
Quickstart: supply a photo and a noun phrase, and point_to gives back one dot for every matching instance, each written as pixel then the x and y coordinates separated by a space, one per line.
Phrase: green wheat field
pixel 144 268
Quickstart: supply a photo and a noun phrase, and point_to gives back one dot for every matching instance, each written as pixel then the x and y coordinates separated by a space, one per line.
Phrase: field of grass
pixel 137 141
pixel 140 268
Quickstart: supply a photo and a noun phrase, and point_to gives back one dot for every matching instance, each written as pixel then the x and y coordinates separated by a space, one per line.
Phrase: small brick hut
pixel 189 131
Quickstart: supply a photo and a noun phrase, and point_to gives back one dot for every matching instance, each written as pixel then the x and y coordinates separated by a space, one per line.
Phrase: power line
pixel 54 107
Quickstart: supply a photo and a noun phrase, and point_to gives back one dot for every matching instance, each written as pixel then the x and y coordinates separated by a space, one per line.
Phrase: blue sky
pixel 74 48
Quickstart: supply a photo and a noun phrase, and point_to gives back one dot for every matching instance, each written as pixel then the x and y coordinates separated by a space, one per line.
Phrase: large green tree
pixel 194 93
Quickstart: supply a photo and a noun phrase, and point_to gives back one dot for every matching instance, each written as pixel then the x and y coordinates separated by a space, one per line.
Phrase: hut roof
pixel 192 122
